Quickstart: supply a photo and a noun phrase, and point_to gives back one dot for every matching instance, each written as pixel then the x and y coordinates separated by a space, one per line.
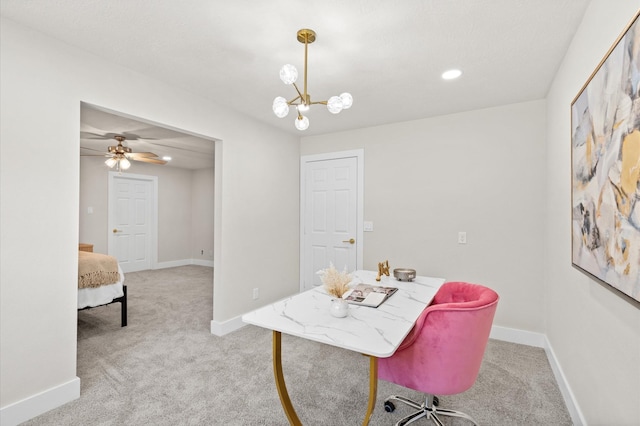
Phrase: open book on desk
pixel 369 295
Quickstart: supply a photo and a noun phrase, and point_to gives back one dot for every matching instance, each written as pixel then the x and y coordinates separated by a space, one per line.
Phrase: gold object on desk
pixel 383 269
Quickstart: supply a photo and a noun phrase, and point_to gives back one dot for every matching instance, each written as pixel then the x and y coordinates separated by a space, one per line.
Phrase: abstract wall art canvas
pixel 605 151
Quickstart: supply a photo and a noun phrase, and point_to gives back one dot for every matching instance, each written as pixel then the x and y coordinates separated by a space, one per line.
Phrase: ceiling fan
pixel 119 155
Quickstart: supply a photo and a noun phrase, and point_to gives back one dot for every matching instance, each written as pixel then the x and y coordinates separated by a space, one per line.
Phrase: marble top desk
pixel 375 332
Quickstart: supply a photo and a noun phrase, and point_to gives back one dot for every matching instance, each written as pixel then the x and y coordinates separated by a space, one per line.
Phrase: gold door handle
pixel 115 230
pixel 350 241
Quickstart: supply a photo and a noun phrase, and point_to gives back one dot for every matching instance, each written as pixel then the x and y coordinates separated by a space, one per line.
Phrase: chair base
pixel 428 410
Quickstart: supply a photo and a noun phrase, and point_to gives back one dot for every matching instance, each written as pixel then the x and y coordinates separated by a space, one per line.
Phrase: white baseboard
pixel 221 328
pixel 540 340
pixel 202 262
pixel 521 337
pixel 183 262
pixel 172 264
pixel 40 403
pixel 567 394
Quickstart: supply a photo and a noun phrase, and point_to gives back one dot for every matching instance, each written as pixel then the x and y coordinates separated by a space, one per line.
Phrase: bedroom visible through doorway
pixel 183 191
pixel 163 212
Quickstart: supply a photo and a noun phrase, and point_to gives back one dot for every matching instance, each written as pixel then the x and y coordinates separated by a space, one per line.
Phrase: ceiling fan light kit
pixel 120 155
pixel 302 102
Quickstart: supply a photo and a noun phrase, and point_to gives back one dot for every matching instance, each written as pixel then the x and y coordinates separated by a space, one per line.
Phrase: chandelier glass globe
pixel 280 107
pixel 302 123
pixel 347 100
pixel 335 105
pixel 288 74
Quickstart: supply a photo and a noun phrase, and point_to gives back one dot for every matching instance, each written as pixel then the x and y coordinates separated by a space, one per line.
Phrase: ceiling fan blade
pixel 135 134
pixel 149 160
pixel 142 154
pixel 91 135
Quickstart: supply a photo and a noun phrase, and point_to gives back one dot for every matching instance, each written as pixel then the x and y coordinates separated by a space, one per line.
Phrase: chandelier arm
pixel 292 101
pixel 318 103
pixel 298 90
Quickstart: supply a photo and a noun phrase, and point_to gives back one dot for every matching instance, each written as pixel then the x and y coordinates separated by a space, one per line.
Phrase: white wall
pixel 42 85
pixel 94 193
pixel 594 332
pixel 174 211
pixel 480 172
pixel 202 208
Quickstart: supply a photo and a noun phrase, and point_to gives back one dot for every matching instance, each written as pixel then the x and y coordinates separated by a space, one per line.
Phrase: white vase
pixel 339 307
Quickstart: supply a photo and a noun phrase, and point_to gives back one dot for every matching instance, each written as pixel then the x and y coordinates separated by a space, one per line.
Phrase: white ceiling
pixel 388 54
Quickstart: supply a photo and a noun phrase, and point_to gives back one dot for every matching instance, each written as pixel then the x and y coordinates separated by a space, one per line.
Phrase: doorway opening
pixel 184 193
pixel 182 201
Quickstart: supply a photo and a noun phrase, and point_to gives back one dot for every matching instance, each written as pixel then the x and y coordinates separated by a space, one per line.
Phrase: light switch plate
pixel 462 237
pixel 368 226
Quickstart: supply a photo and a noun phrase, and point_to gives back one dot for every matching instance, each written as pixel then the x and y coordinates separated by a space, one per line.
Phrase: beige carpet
pixel 165 368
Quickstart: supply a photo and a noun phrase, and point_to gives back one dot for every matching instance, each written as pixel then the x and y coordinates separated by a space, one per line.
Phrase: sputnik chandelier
pixel 302 102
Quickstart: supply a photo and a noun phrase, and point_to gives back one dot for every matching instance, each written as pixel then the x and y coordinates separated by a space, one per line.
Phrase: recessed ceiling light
pixel 451 74
pixel 166 158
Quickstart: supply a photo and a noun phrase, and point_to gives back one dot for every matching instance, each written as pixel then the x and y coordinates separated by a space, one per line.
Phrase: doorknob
pixel 115 230
pixel 350 241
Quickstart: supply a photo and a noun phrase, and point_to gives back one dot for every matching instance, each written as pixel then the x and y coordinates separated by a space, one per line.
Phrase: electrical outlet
pixel 462 238
pixel 256 293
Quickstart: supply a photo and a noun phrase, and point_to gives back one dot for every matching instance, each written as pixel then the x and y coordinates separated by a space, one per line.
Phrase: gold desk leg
pixel 284 395
pixel 373 388
pixel 282 387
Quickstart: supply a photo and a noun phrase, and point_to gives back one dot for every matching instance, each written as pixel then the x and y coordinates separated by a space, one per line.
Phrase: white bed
pixel 91 297
pixel 96 273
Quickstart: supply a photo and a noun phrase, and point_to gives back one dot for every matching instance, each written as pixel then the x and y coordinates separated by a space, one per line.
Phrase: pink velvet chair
pixel 443 352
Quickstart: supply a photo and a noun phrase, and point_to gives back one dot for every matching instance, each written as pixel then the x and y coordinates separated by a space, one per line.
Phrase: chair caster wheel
pixel 389 406
pixel 436 401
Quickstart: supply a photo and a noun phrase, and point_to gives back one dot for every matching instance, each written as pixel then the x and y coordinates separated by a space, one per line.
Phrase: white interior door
pixel 331 215
pixel 131 227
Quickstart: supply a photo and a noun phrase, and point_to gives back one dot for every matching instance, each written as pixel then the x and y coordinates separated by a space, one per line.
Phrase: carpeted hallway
pixel 166 368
